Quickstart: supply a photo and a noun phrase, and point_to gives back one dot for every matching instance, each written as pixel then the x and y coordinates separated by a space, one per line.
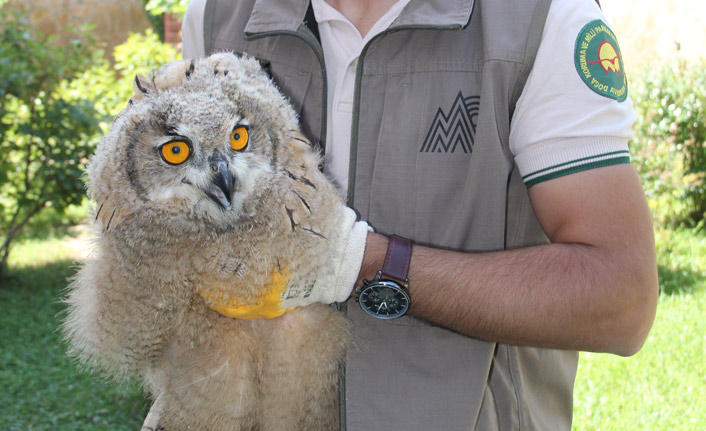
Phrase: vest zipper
pixel 352 161
pixel 307 36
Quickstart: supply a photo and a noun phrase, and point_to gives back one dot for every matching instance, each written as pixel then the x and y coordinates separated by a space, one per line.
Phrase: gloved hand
pixel 305 283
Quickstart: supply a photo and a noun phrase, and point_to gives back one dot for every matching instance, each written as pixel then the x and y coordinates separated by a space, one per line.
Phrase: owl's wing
pixel 309 191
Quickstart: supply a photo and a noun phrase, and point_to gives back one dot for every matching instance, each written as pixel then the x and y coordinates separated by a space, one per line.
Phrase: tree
pixel 45 135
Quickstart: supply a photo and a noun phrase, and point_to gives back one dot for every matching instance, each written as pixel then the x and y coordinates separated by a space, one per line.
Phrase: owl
pixel 206 195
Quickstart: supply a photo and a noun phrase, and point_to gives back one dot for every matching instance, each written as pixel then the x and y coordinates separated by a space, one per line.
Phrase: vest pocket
pixel 444 210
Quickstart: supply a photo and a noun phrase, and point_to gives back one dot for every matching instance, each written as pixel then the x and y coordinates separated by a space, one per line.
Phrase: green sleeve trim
pixel 575 168
pixel 575 161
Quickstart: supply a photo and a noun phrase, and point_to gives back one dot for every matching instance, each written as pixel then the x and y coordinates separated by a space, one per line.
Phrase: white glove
pixel 333 280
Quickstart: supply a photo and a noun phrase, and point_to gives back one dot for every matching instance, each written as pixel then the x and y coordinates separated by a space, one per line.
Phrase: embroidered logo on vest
pixel 598 61
pixel 455 130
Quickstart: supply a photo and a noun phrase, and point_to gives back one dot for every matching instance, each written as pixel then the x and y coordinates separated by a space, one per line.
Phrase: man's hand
pixel 593 288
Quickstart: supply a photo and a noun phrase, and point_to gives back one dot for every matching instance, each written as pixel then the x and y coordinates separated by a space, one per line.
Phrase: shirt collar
pixel 325 12
pixel 287 15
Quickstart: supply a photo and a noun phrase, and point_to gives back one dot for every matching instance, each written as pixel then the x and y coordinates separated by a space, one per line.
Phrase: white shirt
pixel 549 128
pixel 342 45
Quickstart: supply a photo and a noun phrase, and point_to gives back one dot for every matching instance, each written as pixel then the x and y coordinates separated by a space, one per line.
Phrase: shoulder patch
pixel 599 62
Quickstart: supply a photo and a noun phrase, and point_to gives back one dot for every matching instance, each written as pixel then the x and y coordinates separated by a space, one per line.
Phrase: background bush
pixel 45 136
pixel 110 86
pixel 156 8
pixel 159 7
pixel 55 102
pixel 668 148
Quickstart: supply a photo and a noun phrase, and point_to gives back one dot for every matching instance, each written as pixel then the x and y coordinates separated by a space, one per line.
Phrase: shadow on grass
pixel 30 279
pixel 42 388
pixel 679 281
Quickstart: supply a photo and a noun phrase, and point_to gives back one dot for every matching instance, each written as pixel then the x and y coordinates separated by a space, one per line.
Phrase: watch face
pixel 384 300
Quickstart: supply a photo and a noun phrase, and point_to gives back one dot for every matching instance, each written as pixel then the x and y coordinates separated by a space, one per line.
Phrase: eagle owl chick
pixel 206 191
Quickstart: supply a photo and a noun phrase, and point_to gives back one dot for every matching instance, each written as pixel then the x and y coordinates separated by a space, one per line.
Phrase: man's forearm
pixel 593 288
pixel 566 296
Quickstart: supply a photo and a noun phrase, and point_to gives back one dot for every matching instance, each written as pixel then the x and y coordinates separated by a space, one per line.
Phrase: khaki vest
pixel 430 161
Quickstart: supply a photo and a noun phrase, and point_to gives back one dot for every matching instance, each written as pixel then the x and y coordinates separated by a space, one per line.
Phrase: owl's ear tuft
pixel 142 86
pixel 173 74
pixel 190 70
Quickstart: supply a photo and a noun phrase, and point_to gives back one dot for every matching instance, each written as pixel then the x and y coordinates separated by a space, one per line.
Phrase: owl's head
pixel 198 140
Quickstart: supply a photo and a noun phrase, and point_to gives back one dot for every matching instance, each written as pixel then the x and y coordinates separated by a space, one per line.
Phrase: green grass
pixel 40 388
pixel 663 387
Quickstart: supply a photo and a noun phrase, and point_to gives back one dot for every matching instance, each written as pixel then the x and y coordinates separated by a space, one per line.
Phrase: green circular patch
pixel 599 62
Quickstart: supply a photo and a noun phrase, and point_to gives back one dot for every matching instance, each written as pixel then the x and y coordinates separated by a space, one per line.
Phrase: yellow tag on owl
pixel 267 306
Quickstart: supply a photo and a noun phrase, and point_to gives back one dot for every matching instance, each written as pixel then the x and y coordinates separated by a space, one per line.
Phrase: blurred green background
pixel 59 92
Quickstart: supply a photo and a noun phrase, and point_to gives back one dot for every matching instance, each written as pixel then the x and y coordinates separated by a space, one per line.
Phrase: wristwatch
pixel 387 295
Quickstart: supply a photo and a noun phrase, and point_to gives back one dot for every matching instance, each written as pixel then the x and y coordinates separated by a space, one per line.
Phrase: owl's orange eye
pixel 239 138
pixel 175 152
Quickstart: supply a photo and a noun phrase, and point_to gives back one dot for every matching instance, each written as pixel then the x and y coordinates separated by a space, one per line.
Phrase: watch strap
pixel 397 259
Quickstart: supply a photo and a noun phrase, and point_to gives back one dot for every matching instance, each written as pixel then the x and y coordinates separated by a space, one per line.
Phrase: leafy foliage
pixel 141 54
pixel 669 141
pixel 45 136
pixel 158 7
pixel 111 87
pixel 54 102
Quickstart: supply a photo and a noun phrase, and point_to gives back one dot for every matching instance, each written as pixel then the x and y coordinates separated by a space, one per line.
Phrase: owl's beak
pixel 222 182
